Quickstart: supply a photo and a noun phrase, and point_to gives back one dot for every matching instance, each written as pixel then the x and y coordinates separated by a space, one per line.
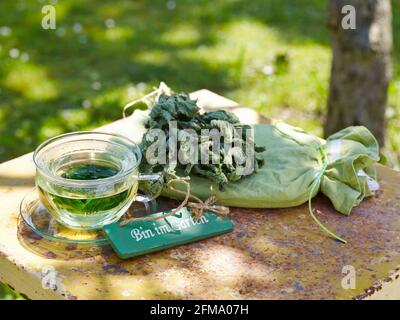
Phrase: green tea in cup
pixel 88 179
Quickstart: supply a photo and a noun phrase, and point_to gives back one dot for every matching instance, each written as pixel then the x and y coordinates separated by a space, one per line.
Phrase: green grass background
pixel 106 53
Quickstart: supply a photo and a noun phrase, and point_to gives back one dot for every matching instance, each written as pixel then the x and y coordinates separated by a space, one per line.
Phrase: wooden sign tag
pixel 142 237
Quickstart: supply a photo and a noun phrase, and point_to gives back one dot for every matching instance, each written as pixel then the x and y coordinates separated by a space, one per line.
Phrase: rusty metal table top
pixel 272 253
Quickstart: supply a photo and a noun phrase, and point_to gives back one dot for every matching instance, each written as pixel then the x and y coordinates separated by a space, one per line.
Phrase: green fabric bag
pixel 342 168
pixel 297 166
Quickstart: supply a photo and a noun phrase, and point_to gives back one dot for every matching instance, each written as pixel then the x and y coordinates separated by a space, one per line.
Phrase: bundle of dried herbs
pixel 222 167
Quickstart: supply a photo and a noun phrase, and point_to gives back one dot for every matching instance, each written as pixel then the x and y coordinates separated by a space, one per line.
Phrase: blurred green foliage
pixel 7 293
pixel 273 56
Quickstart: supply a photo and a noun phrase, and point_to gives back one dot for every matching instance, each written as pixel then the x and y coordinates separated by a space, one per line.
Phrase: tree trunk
pixel 361 67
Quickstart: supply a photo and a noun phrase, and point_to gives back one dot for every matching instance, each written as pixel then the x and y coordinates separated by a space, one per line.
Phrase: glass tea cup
pixel 89 179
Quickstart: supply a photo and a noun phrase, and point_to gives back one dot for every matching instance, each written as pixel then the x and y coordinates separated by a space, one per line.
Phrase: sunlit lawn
pixel 271 55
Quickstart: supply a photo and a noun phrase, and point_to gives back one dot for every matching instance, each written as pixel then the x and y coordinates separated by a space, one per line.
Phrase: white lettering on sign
pixel 139 234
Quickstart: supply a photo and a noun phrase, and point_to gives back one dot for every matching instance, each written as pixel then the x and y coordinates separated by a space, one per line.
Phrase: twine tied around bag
pixel 323 161
pixel 196 208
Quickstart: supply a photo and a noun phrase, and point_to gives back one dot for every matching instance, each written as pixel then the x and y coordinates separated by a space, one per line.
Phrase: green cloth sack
pixel 299 165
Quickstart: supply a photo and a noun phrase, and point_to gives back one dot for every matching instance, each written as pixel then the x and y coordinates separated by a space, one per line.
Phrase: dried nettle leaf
pixel 180 108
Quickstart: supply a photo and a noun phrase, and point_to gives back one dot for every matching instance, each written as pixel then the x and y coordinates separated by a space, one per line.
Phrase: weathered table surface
pixel 272 254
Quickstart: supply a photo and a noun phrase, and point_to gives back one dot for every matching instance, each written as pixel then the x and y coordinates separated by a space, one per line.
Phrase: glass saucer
pixel 37 223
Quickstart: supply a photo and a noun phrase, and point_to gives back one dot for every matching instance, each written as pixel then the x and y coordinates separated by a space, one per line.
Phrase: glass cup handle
pixel 153 185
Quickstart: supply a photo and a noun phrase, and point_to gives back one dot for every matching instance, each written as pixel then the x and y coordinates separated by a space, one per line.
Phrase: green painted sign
pixel 142 237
